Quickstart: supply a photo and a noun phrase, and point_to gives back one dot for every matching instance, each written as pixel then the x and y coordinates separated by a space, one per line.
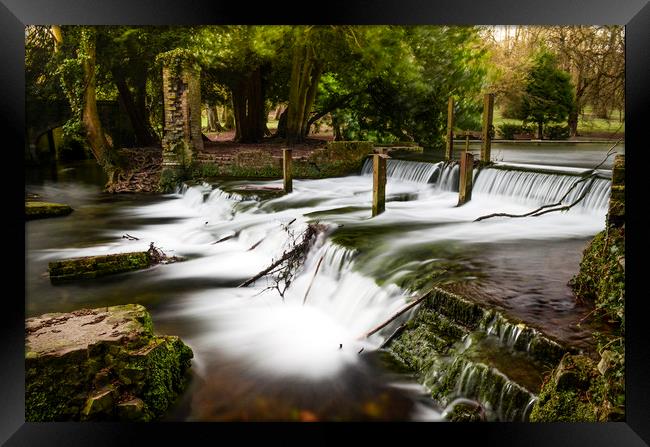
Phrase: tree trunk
pixel 540 135
pixel 90 117
pixel 336 127
pixel 305 74
pixel 212 118
pixel 573 123
pixel 143 134
pixel 282 124
pixel 248 107
pixel 228 118
pixel 278 112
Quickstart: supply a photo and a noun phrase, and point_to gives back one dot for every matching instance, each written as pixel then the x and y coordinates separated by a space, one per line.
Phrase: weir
pixel 357 275
pixel 524 185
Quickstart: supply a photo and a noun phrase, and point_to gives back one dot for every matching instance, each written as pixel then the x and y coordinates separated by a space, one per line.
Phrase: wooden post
pixel 465 181
pixel 449 152
pixel 488 114
pixel 378 184
pixel 466 141
pixel 286 168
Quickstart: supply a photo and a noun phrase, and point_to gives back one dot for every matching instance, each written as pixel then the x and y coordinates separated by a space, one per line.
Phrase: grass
pixel 588 123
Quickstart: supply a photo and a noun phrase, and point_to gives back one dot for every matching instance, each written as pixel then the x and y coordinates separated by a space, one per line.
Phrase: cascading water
pixel 249 340
pixel 542 188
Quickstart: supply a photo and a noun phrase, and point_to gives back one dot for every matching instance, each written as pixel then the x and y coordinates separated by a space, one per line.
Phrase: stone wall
pixel 616 213
pixel 182 105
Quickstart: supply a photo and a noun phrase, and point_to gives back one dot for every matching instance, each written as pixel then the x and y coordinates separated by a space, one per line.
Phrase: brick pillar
pixel 182 137
pixel 616 213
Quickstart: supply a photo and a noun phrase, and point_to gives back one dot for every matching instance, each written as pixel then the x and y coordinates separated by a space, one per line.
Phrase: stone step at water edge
pixel 523 338
pixel 502 398
pixel 440 324
pixel 451 374
pixel 515 334
pixel 418 348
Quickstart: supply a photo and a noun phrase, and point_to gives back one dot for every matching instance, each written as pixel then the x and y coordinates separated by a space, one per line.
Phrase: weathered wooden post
pixel 286 168
pixel 488 115
pixel 449 152
pixel 378 184
pixel 465 180
pixel 616 213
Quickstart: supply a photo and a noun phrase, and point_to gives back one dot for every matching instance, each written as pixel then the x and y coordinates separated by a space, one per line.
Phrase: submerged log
pixel 101 364
pixel 40 210
pixel 95 266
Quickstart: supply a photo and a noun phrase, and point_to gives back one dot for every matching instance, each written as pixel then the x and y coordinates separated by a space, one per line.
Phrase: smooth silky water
pixel 259 356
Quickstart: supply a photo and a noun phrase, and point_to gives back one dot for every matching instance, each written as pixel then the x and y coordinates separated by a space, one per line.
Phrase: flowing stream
pixel 261 356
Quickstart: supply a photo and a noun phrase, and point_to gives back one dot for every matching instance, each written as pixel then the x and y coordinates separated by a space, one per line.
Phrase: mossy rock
pixel 40 210
pixel 574 392
pixel 601 279
pixel 96 266
pixel 101 364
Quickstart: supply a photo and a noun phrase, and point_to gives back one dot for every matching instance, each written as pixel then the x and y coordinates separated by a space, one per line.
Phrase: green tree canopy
pixel 548 93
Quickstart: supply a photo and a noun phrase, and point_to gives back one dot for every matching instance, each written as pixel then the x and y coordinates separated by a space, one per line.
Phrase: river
pixel 260 356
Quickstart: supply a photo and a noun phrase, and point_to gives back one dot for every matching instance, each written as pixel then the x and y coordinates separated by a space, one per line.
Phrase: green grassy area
pixel 588 123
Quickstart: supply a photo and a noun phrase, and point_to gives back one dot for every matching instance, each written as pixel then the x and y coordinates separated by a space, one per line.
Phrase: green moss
pixel 574 392
pixel 135 380
pixel 601 279
pixel 96 266
pixel 39 210
pixel 170 179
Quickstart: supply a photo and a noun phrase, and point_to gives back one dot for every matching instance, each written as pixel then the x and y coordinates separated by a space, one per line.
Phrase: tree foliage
pixel 548 94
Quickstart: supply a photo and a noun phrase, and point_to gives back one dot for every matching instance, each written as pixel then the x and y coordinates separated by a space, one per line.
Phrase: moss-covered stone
pixel 574 392
pixel 96 266
pixel 601 279
pixel 40 210
pixel 101 364
pixel 460 349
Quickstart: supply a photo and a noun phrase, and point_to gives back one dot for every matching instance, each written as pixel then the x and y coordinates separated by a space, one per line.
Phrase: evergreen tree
pixel 548 95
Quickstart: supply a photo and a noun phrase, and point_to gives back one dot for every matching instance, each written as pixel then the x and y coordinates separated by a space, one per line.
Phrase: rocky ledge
pixel 39 210
pixel 101 364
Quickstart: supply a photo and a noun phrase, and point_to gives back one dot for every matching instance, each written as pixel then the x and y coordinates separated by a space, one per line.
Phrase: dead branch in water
pixel 304 300
pixel 397 314
pixel 285 268
pixel 159 257
pixel 559 206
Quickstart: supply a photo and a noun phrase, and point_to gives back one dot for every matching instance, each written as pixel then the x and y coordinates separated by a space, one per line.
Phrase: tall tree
pixel 548 93
pixel 78 76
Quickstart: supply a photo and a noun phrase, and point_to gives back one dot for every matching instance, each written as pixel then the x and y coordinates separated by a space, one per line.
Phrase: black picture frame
pixel 635 14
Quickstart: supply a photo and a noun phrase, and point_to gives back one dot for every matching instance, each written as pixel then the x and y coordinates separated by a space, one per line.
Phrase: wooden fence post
pixel 378 184
pixel 465 180
pixel 286 168
pixel 488 115
pixel 449 152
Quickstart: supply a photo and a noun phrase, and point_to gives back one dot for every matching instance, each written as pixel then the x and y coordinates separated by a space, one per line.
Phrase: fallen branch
pixel 399 312
pixel 129 237
pixel 543 209
pixel 312 280
pixel 291 257
pixel 558 206
pixel 225 238
pixel 256 244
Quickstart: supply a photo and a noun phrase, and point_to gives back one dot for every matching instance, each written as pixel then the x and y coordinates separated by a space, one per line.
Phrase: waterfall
pixel 410 171
pixel 542 188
